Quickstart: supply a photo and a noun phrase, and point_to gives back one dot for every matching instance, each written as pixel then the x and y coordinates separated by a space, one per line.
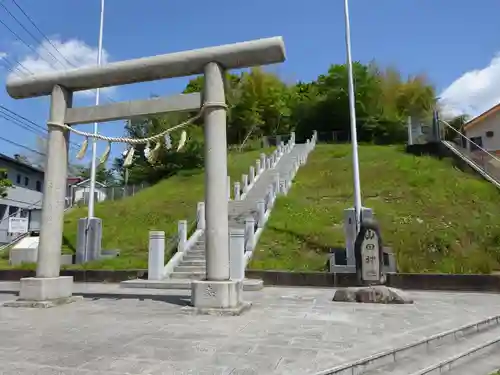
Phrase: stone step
pixel 186 268
pixel 431 355
pixel 189 256
pixel 193 262
pixel 248 284
pixel 197 247
pixel 188 275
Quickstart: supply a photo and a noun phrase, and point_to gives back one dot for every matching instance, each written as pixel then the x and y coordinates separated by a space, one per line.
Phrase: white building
pixel 484 130
pixel 80 191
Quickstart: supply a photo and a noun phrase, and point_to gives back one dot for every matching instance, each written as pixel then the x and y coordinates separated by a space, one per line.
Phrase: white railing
pixel 482 161
pixel 265 162
pixel 242 242
pixel 157 269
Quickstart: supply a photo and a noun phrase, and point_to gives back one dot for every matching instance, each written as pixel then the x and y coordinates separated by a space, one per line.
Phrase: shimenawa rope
pixel 150 154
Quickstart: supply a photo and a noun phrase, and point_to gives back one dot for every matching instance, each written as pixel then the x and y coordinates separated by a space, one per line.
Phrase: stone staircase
pixel 470 349
pixel 192 265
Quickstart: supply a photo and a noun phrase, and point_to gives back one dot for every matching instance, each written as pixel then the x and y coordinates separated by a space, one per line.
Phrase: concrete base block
pixel 230 311
pixel 46 292
pixel 42 304
pixel 249 285
pixel 47 288
pixel 217 297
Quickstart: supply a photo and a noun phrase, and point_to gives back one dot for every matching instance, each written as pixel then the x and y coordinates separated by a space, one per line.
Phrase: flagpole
pixel 93 165
pixel 352 112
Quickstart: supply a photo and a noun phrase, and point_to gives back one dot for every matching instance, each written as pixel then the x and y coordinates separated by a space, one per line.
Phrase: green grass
pixel 126 222
pixel 434 216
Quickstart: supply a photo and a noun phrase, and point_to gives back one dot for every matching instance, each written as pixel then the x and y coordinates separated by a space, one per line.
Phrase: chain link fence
pixel 79 195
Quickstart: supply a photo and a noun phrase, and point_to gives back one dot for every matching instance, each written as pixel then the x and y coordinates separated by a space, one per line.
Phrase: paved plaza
pixel 287 331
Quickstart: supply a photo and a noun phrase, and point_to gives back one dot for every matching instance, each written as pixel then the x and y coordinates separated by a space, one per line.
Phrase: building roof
pixel 20 163
pixel 87 180
pixel 477 120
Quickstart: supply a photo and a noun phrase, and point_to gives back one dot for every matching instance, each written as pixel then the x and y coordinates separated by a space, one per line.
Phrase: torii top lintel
pixel 178 64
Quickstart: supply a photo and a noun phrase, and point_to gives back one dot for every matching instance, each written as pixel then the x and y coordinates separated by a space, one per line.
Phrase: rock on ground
pixel 372 294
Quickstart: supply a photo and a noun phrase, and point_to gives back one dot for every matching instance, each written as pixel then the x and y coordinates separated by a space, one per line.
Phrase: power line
pixel 40 31
pixel 15 121
pixel 19 38
pixel 27 124
pixel 45 37
pixel 11 67
pixel 22 146
pixel 25 29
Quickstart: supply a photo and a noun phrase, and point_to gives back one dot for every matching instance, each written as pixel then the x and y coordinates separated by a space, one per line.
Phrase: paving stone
pixel 278 336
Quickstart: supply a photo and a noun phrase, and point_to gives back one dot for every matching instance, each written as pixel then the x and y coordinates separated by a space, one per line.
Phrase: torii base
pixel 217 298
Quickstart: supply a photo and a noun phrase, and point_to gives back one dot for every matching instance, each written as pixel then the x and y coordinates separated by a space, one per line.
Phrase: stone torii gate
pixel 217 291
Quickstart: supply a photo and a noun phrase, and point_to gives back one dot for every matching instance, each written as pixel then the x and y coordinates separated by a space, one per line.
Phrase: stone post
pixel 216 210
pixel 263 161
pixel 237 254
pixel 277 184
pixel 252 174
pixel 258 167
pixel 249 233
pixel 237 191
pixel 54 188
pixel 268 163
pixel 200 216
pixel 228 188
pixel 181 235
pixel 261 212
pixel 282 186
pixel 156 255
pixel 244 183
pixel 48 285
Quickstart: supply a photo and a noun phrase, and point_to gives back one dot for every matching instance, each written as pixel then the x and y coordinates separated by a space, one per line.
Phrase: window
pixel 476 141
pixel 489 134
pixel 38 186
pixel 18 179
pixel 13 210
pixel 3 208
pixel 26 181
pixel 24 213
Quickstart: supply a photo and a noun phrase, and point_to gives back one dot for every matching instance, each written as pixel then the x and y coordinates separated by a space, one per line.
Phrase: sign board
pixel 370 256
pixel 18 225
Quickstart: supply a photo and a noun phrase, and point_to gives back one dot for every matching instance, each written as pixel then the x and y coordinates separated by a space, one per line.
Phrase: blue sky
pixel 454 42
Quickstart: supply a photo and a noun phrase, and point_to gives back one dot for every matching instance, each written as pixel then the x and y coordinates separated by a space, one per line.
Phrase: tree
pixel 5 183
pixel 168 161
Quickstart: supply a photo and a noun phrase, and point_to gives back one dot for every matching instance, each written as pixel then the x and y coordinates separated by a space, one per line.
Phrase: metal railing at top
pixel 488 162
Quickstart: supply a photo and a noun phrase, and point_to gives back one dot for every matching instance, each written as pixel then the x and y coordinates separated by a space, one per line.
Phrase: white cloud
pixel 71 54
pixel 474 92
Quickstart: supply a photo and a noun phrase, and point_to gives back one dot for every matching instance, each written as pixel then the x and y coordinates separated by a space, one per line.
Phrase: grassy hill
pixel 434 216
pixel 126 222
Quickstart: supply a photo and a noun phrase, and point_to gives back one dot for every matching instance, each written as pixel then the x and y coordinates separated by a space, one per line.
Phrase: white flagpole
pixel 352 111
pixel 93 165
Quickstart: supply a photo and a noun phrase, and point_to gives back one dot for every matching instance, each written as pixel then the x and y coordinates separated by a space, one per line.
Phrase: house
pixel 484 131
pixel 25 195
pixel 79 191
